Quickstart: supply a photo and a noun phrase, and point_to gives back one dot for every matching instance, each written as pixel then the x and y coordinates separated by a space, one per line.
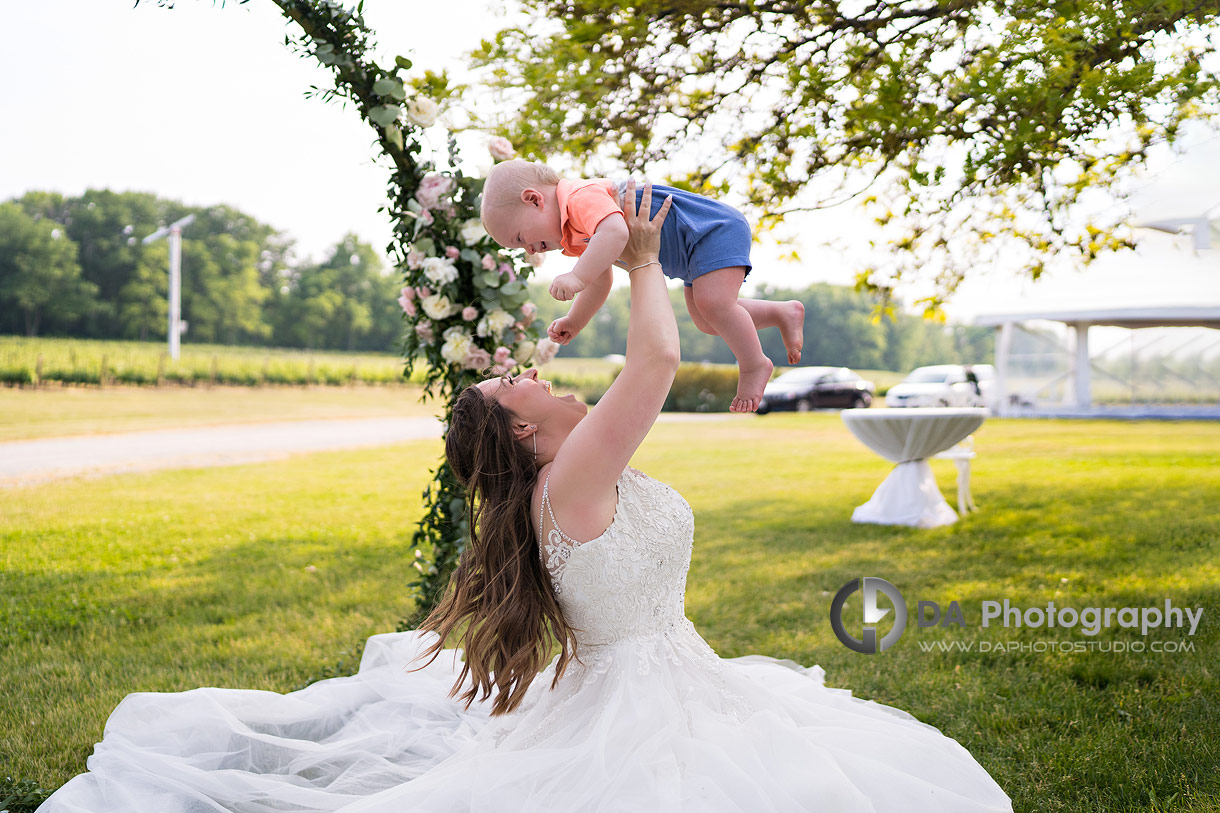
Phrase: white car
pixel 944 385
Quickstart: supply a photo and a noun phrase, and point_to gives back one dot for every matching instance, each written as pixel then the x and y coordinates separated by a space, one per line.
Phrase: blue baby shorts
pixel 699 235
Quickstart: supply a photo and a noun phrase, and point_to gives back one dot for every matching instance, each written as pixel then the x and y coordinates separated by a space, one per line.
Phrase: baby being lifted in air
pixel 704 243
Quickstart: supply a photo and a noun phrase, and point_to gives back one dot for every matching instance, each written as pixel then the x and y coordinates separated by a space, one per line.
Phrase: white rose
pixel 456 347
pixel 422 111
pixel 546 351
pixel 440 270
pixel 524 350
pixel 495 322
pixel 472 232
pixel 438 306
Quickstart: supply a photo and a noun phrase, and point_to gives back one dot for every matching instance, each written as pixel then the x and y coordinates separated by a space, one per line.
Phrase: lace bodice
pixel 630 582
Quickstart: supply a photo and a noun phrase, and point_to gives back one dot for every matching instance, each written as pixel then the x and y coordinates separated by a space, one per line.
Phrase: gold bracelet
pixel 645 265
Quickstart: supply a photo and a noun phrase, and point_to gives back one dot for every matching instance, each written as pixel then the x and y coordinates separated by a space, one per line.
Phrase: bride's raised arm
pixel 588 464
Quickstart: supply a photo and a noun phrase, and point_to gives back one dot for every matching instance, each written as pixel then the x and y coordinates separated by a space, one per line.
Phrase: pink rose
pixel 408 292
pixel 507 269
pixel 502 355
pixel 424 331
pixel 415 259
pixel 499 369
pixel 476 359
pixel 470 313
pixel 432 188
pixel 489 262
pixel 423 291
pixel 426 218
pixel 452 252
pixel 501 148
pixel 408 306
pixel 529 312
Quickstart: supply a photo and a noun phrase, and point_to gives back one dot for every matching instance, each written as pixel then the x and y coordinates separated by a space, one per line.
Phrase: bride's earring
pixel 535 437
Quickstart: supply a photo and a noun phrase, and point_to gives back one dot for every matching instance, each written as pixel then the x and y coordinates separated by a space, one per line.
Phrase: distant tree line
pixel 76 266
pixel 839 331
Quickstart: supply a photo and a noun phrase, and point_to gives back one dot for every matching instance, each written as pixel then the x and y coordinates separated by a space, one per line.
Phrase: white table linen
pixel 909 495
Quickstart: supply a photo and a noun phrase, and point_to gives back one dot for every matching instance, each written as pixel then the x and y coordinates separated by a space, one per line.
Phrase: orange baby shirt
pixel 583 205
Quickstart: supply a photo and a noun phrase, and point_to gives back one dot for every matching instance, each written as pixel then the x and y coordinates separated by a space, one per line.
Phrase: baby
pixel 704 243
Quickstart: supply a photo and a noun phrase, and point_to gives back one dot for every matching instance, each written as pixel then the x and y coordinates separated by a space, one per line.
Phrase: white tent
pixel 1079 372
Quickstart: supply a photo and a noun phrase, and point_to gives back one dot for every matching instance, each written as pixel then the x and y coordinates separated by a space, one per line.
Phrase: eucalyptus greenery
pixel 464 299
pixel 971 128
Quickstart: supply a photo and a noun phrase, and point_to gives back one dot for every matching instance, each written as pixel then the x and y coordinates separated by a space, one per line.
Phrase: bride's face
pixel 530 398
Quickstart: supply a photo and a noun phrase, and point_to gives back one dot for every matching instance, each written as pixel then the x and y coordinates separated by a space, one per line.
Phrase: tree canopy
pixel 76 266
pixel 971 128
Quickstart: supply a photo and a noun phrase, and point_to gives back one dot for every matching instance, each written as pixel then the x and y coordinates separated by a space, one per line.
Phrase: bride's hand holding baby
pixel 644 241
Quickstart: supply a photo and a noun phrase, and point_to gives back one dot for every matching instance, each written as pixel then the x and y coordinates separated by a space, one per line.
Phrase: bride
pixel 636 712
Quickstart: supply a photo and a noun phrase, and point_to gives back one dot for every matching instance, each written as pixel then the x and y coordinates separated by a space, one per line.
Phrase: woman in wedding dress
pixel 636 713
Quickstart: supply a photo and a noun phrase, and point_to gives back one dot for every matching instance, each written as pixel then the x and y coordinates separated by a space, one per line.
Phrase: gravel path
pixel 32 461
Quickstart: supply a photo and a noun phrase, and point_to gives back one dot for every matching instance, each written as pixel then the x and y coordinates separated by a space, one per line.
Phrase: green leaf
pixel 385 86
pixel 490 279
pixel 402 62
pixel 512 288
pixel 385 114
pixel 513 301
pixel 471 256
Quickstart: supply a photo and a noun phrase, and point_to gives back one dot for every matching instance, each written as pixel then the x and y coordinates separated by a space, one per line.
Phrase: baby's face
pixel 531 226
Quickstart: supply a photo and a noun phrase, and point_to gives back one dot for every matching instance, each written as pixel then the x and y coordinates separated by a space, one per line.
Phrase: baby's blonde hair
pixel 507 179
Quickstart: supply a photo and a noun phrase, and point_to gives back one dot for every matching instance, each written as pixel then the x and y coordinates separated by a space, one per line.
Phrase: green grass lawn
pixel 168 581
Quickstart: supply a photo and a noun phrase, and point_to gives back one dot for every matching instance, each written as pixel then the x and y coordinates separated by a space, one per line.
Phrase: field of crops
pixel 81 361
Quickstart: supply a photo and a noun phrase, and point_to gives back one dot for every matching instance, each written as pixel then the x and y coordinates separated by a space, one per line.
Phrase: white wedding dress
pixel 653 720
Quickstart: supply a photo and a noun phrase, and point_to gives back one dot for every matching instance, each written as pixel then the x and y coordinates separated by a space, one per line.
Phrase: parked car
pixel 944 385
pixel 806 388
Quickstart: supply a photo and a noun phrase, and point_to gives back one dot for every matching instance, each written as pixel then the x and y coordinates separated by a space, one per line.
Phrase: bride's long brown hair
pixel 500 583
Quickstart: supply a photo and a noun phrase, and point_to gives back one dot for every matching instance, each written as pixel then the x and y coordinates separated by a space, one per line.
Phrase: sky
pixel 205 104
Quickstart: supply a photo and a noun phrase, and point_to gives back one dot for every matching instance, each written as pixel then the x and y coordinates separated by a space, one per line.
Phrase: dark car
pixel 806 388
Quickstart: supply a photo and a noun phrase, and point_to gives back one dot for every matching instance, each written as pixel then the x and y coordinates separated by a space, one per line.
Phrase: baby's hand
pixel 562 330
pixel 566 286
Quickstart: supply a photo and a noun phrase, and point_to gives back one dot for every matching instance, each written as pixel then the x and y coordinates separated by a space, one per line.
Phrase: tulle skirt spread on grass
pixel 657 723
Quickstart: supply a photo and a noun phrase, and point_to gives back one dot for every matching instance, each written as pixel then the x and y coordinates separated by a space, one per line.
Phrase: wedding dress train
pixel 651 719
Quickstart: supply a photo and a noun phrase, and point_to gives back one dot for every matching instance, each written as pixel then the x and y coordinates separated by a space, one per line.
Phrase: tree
pixel 976 126
pixel 143 305
pixel 39 275
pixel 105 225
pixel 346 302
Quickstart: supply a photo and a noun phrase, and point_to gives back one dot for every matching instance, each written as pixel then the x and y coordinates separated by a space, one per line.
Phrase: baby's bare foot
pixel 750 385
pixel 792 329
